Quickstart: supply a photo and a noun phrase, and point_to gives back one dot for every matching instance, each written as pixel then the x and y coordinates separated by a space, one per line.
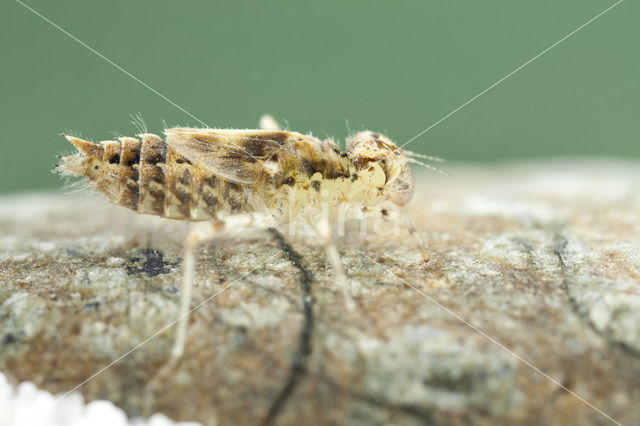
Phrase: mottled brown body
pixel 148 176
pixel 204 174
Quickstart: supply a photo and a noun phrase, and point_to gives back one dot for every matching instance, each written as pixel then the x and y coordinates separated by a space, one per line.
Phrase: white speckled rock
pixel 542 258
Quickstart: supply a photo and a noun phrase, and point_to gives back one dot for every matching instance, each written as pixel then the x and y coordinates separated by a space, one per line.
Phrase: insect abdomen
pixel 149 177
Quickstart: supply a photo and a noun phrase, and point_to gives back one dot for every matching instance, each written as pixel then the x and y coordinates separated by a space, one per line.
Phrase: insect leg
pixel 406 223
pixel 323 229
pixel 200 233
pixel 386 213
pixel 267 122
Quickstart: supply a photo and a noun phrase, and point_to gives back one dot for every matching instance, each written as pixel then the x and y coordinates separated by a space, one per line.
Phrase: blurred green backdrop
pixel 392 66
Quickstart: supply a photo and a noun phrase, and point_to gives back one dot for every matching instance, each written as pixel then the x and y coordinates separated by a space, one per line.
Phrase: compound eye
pixel 401 189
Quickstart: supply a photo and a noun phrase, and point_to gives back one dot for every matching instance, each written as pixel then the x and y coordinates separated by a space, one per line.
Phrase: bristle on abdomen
pixel 147 176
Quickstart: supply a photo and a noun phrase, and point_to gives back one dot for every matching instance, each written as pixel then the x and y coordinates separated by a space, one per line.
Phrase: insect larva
pixel 228 178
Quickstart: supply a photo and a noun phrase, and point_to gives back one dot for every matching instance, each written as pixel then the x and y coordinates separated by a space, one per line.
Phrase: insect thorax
pixel 327 194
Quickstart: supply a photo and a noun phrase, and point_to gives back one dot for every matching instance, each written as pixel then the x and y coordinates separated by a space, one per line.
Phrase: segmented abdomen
pixel 149 177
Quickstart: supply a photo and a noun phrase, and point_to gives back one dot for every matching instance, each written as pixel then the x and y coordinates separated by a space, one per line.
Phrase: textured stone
pixel 541 258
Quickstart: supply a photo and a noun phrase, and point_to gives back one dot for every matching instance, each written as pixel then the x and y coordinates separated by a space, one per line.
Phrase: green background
pixel 391 66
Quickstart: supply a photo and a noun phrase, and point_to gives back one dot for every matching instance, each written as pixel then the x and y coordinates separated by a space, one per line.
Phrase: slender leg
pixel 267 122
pixel 392 215
pixel 406 223
pixel 323 229
pixel 200 233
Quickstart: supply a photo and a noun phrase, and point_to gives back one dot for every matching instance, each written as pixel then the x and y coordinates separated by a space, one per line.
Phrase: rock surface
pixel 543 259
